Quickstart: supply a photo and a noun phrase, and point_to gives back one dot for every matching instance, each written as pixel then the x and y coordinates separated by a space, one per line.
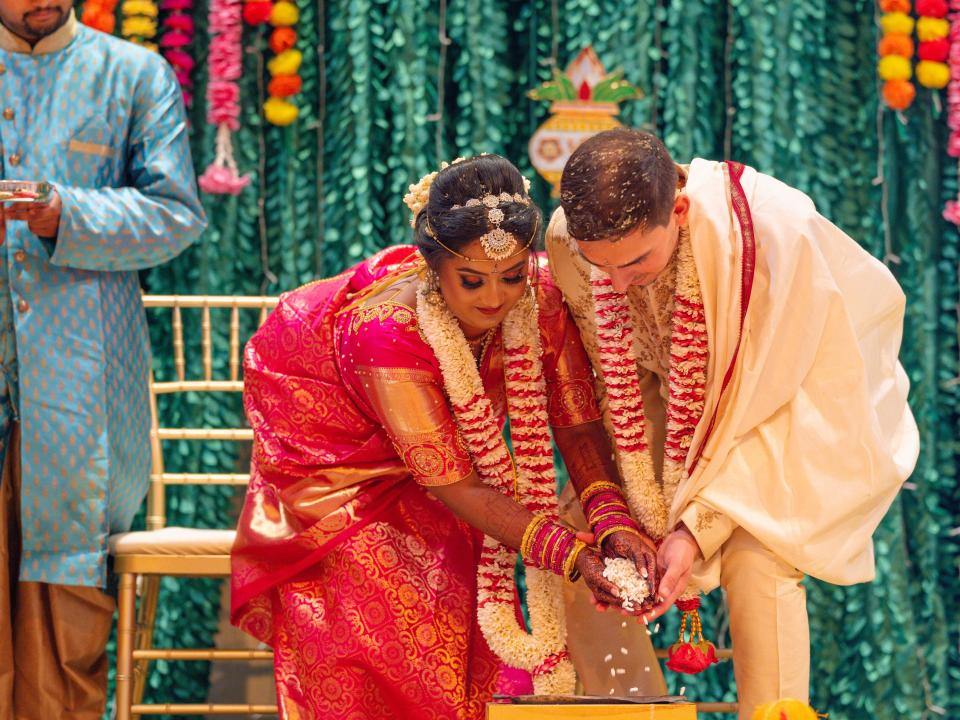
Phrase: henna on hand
pixel 590 564
pixel 640 550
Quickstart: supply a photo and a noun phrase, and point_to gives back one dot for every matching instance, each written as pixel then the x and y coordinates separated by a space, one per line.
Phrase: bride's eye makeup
pixel 513 279
pixel 471 282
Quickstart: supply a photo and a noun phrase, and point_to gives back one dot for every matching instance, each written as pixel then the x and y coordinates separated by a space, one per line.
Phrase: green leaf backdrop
pixel 391 87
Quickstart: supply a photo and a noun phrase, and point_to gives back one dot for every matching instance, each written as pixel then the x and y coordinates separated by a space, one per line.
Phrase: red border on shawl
pixel 747 267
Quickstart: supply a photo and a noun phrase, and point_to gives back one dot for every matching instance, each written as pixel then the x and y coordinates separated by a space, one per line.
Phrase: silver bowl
pixel 12 191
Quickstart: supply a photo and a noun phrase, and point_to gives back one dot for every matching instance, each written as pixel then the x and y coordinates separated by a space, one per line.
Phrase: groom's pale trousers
pixel 769 629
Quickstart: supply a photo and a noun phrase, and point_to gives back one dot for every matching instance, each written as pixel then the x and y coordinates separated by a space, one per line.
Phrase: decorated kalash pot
pixel 584 101
pixel 566 707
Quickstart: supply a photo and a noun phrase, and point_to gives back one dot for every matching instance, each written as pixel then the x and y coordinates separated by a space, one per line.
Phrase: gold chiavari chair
pixel 144 557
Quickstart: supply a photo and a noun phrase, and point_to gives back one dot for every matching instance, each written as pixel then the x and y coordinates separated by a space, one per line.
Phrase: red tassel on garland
pixel 696 654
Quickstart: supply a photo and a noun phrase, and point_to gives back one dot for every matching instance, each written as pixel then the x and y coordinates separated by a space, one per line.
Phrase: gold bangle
pixel 532 527
pixel 617 528
pixel 569 565
pixel 618 504
pixel 595 487
pixel 598 516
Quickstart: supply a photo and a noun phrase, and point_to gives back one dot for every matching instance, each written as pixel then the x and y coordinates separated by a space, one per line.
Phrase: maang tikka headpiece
pixel 498 244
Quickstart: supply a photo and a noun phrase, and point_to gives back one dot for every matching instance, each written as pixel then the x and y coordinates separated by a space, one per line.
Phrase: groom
pixel 802 435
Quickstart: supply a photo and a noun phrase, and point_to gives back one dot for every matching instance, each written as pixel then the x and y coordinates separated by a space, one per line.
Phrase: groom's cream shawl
pixel 806 434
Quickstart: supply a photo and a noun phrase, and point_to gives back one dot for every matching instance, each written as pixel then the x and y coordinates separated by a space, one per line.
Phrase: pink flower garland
pixel 223 96
pixel 952 210
pixel 175 42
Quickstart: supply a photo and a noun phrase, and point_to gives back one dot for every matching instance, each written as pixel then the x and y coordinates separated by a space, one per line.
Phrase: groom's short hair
pixel 616 181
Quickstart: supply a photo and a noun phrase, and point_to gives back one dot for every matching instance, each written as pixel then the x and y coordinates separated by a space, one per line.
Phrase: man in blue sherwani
pixel 103 121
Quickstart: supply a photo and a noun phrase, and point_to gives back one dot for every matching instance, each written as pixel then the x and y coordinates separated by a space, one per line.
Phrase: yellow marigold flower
pixel 934 75
pixel 137 26
pixel 279 111
pixel 896 23
pixel 894 67
pixel 140 7
pixel 787 709
pixel 284 14
pixel 286 63
pixel 931 28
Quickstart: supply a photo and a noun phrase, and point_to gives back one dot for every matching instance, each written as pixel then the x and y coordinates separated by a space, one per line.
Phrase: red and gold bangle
pixel 551 546
pixel 606 510
pixel 599 486
pixel 570 571
pixel 529 534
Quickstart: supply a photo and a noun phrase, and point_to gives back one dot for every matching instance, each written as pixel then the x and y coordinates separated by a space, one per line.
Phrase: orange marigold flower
pixel 898 94
pixel 282 38
pixel 283 86
pixel 896 44
pixel 888 6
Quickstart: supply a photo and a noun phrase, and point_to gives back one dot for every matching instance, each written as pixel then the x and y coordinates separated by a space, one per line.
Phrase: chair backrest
pixel 210 309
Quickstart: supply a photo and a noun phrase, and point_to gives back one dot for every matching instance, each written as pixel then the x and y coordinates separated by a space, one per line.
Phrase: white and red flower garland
pixel 685 399
pixel 223 96
pixel 542 652
pixel 176 40
pixel 687 381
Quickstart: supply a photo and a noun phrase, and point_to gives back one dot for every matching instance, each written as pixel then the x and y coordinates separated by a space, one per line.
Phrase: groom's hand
pixel 676 557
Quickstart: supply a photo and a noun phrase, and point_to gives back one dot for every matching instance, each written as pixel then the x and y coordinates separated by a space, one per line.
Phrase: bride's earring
pixel 431 280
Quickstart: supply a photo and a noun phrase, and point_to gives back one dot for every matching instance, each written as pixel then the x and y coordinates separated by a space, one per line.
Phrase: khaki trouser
pixel 769 628
pixel 53 660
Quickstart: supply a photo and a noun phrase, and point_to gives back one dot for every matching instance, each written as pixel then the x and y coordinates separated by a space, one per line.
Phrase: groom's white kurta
pixel 799 454
pixel 813 436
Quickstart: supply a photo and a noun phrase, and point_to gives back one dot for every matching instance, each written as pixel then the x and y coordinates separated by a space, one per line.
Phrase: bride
pixel 377 544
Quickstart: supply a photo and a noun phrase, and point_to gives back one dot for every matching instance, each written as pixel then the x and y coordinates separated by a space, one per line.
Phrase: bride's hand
pixel 641 550
pixel 590 565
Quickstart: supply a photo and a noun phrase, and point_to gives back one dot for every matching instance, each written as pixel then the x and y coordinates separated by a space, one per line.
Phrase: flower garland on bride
pixel 541 652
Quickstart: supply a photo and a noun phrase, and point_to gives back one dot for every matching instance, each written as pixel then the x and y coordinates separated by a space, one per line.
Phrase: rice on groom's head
pixel 616 181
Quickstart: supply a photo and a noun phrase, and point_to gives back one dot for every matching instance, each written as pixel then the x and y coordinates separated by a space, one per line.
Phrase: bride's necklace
pixel 479 345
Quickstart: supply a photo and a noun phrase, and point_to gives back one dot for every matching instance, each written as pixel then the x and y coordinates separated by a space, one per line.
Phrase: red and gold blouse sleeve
pixel 396 374
pixel 571 399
